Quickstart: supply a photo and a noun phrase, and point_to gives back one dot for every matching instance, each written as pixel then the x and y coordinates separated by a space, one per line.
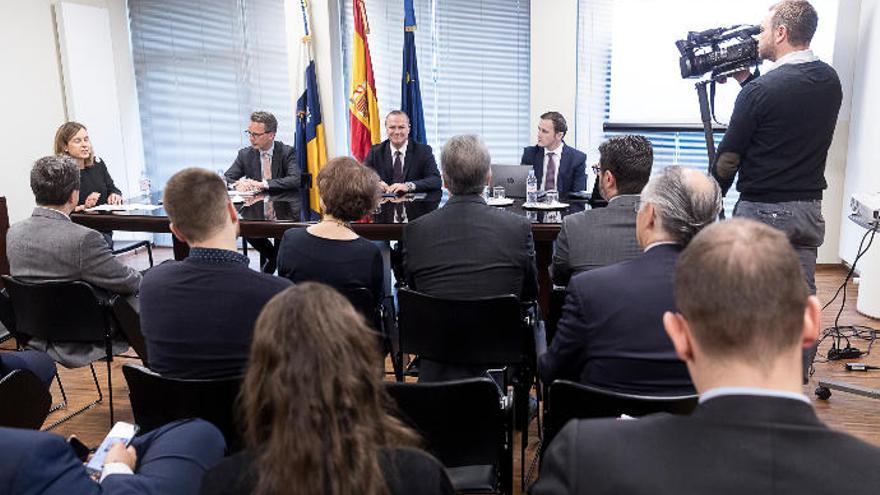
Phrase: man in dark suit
pixel 170 460
pixel 565 167
pixel 611 334
pixel 602 236
pixel 404 166
pixel 198 315
pixel 468 249
pixel 266 165
pixel 746 314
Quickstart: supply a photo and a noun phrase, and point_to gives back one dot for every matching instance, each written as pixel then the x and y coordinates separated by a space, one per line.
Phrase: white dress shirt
pixel 798 57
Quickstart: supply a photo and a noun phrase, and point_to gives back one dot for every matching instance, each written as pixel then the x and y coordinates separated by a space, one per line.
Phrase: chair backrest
pixel 461 421
pixel 24 400
pixel 4 227
pixel 59 311
pixel 568 400
pixel 481 332
pixel 365 303
pixel 157 400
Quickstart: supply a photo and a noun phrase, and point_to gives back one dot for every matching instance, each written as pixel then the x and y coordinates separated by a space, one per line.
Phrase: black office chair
pixel 157 401
pixel 568 400
pixel 377 316
pixel 491 332
pixel 65 312
pixel 120 247
pixel 24 400
pixel 467 425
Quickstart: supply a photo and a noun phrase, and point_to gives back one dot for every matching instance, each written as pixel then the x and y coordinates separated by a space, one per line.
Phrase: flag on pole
pixel 311 145
pixel 410 93
pixel 363 108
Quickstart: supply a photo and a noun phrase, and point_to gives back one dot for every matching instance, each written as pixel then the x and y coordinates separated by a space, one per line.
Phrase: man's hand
pixel 114 199
pixel 246 185
pixel 398 188
pixel 119 453
pixel 92 200
pixel 383 186
pixel 740 76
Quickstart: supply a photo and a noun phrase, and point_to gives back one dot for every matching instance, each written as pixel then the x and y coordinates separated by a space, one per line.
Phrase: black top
pixel 407 471
pixel 337 263
pixel 97 179
pixel 198 315
pixel 781 127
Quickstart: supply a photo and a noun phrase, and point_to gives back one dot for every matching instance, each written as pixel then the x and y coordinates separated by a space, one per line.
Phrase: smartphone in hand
pixel 121 432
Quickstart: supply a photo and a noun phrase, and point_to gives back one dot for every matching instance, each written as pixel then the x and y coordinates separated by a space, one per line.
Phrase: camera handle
pixel 706 115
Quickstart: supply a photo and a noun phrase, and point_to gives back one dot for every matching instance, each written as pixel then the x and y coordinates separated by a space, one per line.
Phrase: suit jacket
pixel 49 247
pixel 728 445
pixel 611 332
pixel 595 238
pixel 571 175
pixel 285 171
pixel 419 166
pixel 171 461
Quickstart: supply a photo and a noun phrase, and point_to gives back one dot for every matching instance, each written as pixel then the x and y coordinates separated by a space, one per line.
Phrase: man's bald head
pixel 684 200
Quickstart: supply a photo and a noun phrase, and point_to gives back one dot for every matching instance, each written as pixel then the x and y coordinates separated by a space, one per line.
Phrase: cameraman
pixel 780 131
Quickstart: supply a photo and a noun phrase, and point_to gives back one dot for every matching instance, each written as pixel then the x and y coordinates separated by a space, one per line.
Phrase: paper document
pixel 125 207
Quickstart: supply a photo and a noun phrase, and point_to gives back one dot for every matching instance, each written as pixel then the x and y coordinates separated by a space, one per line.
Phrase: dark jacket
pixel 419 166
pixel 571 175
pixel 285 170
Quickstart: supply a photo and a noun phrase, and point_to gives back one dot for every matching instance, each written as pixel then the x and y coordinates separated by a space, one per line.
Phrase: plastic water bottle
pixel 146 188
pixel 532 188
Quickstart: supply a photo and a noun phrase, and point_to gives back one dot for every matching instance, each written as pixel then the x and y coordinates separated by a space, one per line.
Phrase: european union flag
pixel 411 94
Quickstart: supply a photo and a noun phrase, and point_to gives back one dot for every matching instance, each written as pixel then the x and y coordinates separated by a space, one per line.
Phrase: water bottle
pixel 146 189
pixel 532 188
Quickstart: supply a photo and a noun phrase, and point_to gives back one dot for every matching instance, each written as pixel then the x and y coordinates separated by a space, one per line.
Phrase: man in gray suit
pixel 49 247
pixel 604 236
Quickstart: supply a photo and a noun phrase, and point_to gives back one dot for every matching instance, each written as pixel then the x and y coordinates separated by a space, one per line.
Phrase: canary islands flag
pixel 410 93
pixel 363 109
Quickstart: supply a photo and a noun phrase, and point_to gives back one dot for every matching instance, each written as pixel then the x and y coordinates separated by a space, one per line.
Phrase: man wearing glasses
pixel 266 164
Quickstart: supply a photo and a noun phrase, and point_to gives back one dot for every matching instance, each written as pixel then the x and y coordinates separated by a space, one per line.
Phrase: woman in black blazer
pixel 315 414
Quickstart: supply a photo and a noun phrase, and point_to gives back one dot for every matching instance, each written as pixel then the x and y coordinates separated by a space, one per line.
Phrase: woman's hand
pixel 114 199
pixel 92 199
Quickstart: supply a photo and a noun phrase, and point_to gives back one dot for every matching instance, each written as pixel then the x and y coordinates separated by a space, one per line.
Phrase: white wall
pixel 862 165
pixel 553 60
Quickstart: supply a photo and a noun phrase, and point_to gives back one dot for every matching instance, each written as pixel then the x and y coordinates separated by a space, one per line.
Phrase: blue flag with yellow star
pixel 411 94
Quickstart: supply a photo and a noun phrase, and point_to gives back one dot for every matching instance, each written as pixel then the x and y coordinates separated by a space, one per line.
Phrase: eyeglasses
pixel 597 169
pixel 256 134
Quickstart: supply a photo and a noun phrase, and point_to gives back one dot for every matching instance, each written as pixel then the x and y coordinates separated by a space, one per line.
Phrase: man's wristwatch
pixel 410 187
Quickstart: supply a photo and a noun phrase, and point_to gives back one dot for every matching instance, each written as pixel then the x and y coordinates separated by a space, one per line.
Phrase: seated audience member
pixel 96 185
pixel 330 251
pixel 314 411
pixel 403 166
pixel 49 247
pixel 198 314
pixel 170 460
pixel 468 249
pixel 611 331
pixel 264 166
pixel 745 314
pixel 557 166
pixel 37 362
pixel 604 236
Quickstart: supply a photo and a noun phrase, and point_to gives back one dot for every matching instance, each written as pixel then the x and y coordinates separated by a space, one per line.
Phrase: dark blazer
pixel 596 238
pixel 285 171
pixel 198 315
pixel 572 173
pixel 407 471
pixel 728 445
pixel 172 460
pixel 419 166
pixel 611 332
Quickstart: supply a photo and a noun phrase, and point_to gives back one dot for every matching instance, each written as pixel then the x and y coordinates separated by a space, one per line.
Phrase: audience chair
pixel 65 312
pixel 467 425
pixel 568 400
pixel 377 317
pixel 157 401
pixel 490 332
pixel 120 247
pixel 24 400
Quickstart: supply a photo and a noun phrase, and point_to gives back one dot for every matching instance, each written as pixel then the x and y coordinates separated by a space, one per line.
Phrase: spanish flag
pixel 363 108
pixel 311 147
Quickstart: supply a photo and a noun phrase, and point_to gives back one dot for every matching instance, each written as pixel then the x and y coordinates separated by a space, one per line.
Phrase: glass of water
pixel 498 192
pixel 552 197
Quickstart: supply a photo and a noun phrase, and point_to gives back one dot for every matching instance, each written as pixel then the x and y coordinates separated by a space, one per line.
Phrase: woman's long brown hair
pixel 314 409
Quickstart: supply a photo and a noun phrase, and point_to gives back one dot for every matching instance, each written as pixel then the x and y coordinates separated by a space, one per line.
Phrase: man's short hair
pixel 53 179
pixel 741 288
pixel 267 119
pixel 799 18
pixel 629 158
pixel 348 189
pixel 559 124
pixel 465 163
pixel 682 206
pixel 195 200
pixel 397 112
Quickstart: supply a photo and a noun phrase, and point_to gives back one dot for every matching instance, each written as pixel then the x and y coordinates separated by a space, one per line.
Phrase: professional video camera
pixel 722 51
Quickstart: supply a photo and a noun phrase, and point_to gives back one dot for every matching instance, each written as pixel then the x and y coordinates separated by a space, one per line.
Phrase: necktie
pixel 550 183
pixel 398 168
pixel 267 167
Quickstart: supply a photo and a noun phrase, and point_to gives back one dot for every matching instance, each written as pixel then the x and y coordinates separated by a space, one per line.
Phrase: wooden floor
pixel 854 414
